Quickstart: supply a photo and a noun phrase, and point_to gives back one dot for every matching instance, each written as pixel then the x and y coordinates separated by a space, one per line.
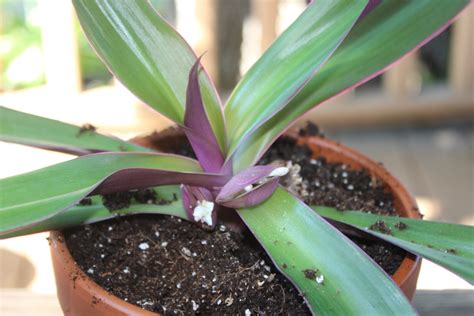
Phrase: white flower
pixel 203 212
pixel 320 279
pixel 279 172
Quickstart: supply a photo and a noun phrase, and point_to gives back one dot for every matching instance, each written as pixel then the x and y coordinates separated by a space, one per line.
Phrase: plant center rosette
pixel 248 188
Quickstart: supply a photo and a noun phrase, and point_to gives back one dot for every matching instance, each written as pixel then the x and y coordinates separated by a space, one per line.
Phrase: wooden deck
pixel 447 302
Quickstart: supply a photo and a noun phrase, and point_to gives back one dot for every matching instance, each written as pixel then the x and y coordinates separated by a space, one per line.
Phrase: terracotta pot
pixel 79 295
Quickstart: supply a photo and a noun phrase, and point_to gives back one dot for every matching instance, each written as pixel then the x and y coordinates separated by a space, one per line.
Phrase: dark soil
pixel 170 266
pixel 120 200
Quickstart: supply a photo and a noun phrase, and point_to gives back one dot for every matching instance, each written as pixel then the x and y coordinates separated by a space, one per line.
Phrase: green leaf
pixel 288 64
pixel 96 212
pixel 390 31
pixel 35 196
pixel 449 245
pixel 145 53
pixel 298 239
pixel 32 130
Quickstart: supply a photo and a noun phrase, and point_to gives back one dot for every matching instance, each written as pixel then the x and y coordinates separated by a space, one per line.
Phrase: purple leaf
pixel 197 127
pixel 254 197
pixel 140 178
pixel 251 186
pixel 189 200
pixel 240 181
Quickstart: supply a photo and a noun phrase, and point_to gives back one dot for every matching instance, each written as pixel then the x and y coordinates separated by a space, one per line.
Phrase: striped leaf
pixel 288 64
pixel 449 245
pixel 27 129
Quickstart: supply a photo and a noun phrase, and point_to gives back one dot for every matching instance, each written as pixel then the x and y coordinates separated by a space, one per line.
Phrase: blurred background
pixel 417 118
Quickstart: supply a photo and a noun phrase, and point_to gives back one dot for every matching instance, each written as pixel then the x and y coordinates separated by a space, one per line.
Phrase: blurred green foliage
pixel 21 59
pixel 20 45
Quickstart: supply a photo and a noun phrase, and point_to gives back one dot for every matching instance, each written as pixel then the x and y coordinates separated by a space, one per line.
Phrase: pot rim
pixel 407 268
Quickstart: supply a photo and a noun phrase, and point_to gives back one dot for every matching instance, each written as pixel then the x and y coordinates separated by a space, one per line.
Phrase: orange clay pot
pixel 79 295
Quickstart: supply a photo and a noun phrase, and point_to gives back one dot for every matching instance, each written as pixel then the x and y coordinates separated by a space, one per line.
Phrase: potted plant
pixel 332 47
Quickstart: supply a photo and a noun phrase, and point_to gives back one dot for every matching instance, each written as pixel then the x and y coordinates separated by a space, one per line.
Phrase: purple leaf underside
pixel 140 178
pixel 250 187
pixel 254 197
pixel 247 177
pixel 197 127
